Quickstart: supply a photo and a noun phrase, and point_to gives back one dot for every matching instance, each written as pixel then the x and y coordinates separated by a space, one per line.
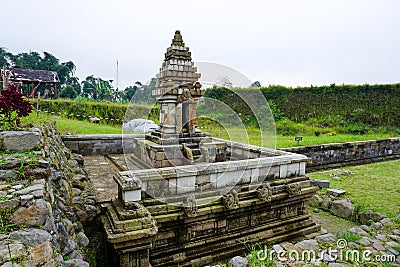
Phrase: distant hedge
pixel 108 112
pixel 375 105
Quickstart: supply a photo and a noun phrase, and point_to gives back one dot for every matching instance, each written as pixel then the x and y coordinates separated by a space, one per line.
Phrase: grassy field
pixel 65 125
pixel 252 135
pixel 373 186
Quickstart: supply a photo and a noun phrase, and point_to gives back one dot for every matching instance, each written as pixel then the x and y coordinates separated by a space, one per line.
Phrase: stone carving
pixel 231 200
pixel 264 192
pixel 293 189
pixel 190 206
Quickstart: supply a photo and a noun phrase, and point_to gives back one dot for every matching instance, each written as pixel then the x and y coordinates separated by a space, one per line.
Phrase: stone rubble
pixel 45 199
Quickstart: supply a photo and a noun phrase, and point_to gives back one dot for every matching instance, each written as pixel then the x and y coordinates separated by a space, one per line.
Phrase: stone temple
pixel 193 199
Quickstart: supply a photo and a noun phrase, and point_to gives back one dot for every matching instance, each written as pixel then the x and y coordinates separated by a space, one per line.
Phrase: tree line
pixel 95 88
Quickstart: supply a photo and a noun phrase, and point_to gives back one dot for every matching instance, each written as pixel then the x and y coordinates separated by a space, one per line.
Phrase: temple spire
pixel 178 41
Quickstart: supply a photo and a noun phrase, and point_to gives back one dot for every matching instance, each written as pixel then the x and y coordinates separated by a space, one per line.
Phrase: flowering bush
pixel 13 105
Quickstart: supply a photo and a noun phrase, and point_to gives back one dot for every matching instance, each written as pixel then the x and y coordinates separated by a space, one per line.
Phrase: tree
pixel 68 91
pixel 13 105
pixel 74 82
pixel 97 88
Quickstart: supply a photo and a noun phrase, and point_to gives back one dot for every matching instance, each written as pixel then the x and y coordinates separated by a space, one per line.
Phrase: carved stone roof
pixel 177 68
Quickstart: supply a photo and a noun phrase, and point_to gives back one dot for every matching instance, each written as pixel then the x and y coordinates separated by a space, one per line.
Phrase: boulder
pixel 34 215
pixel 343 208
pixel 9 251
pixel 82 239
pixel 31 237
pixel 358 230
pixel 238 262
pixel 76 263
pixel 310 244
pixel 326 238
pixel 42 253
pixel 20 140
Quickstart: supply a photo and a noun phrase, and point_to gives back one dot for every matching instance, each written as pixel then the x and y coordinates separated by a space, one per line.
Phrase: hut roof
pixel 28 75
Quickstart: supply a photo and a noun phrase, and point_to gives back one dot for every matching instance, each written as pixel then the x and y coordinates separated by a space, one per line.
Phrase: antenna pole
pixel 117 74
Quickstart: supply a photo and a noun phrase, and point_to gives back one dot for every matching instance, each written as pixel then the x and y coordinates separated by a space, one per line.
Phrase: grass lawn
pixel 65 125
pixel 373 186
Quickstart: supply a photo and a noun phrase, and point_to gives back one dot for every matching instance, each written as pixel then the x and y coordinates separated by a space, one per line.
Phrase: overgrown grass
pixel 349 236
pixel 373 186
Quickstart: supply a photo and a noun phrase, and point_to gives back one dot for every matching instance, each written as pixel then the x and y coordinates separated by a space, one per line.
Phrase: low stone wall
pixel 350 153
pixel 46 201
pixel 321 156
pixel 100 144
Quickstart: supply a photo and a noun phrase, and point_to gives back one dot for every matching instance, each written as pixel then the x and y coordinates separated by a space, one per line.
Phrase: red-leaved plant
pixel 13 105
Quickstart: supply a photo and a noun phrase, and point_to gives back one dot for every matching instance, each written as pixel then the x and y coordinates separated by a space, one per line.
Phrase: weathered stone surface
pixel 9 251
pixel 71 245
pixel 20 140
pixel 30 263
pixel 343 208
pixel 42 253
pixel 358 230
pixel 10 203
pixel 34 215
pixel 31 189
pixel 26 199
pixel 316 201
pixel 238 262
pixel 386 222
pixel 322 183
pixel 75 255
pixel 8 175
pixel 82 239
pixel 326 204
pixel 277 248
pixel 310 244
pixel 326 238
pixel 376 216
pixel 364 241
pixel 76 263
pixel 78 158
pixel 336 192
pixel 31 237
pixel 10 164
pixel 365 217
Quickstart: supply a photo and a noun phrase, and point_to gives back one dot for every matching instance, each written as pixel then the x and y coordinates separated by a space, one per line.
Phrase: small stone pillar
pixel 129 226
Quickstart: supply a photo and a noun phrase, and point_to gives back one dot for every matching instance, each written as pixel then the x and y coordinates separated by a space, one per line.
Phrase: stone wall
pixel 321 156
pixel 45 201
pixel 349 153
pixel 100 144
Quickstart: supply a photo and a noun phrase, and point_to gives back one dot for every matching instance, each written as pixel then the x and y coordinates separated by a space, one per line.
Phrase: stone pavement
pixel 101 170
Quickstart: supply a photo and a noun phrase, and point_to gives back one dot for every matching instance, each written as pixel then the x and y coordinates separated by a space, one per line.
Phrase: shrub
pixel 13 105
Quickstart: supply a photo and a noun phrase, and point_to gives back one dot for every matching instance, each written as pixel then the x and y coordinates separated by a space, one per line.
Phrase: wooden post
pixel 55 91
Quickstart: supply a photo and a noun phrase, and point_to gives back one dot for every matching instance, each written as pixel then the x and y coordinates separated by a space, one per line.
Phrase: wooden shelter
pixel 33 78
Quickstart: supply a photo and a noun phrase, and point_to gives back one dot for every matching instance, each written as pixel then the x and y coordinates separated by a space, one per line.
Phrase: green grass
pixel 250 135
pixel 65 125
pixel 373 186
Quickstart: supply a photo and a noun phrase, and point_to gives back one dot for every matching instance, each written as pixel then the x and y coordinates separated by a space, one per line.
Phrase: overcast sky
pixel 287 42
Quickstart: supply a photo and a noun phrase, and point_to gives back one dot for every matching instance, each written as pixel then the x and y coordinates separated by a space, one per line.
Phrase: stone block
pixel 283 171
pixel 132 195
pixel 186 184
pixel 322 183
pixel 20 140
pixel 336 192
pixel 293 169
